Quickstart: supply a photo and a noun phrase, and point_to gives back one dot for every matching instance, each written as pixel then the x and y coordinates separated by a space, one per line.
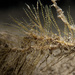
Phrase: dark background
pixel 5 4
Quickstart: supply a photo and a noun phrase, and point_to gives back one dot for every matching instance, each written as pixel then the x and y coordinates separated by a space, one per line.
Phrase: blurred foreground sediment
pixel 33 56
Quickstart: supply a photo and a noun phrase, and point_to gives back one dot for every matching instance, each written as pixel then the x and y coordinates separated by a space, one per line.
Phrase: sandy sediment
pixel 32 56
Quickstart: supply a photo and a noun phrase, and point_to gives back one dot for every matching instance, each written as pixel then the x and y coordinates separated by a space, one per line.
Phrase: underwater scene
pixel 38 38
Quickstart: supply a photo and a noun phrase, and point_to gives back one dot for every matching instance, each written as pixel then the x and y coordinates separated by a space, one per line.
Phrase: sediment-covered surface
pixel 35 56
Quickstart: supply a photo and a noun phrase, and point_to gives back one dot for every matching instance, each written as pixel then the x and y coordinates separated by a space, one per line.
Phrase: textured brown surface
pixel 26 59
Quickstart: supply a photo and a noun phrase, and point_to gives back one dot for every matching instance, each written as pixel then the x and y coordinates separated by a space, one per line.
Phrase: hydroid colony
pixel 37 29
pixel 42 51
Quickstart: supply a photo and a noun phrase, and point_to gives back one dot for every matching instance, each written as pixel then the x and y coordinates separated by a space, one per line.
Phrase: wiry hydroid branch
pixel 60 14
